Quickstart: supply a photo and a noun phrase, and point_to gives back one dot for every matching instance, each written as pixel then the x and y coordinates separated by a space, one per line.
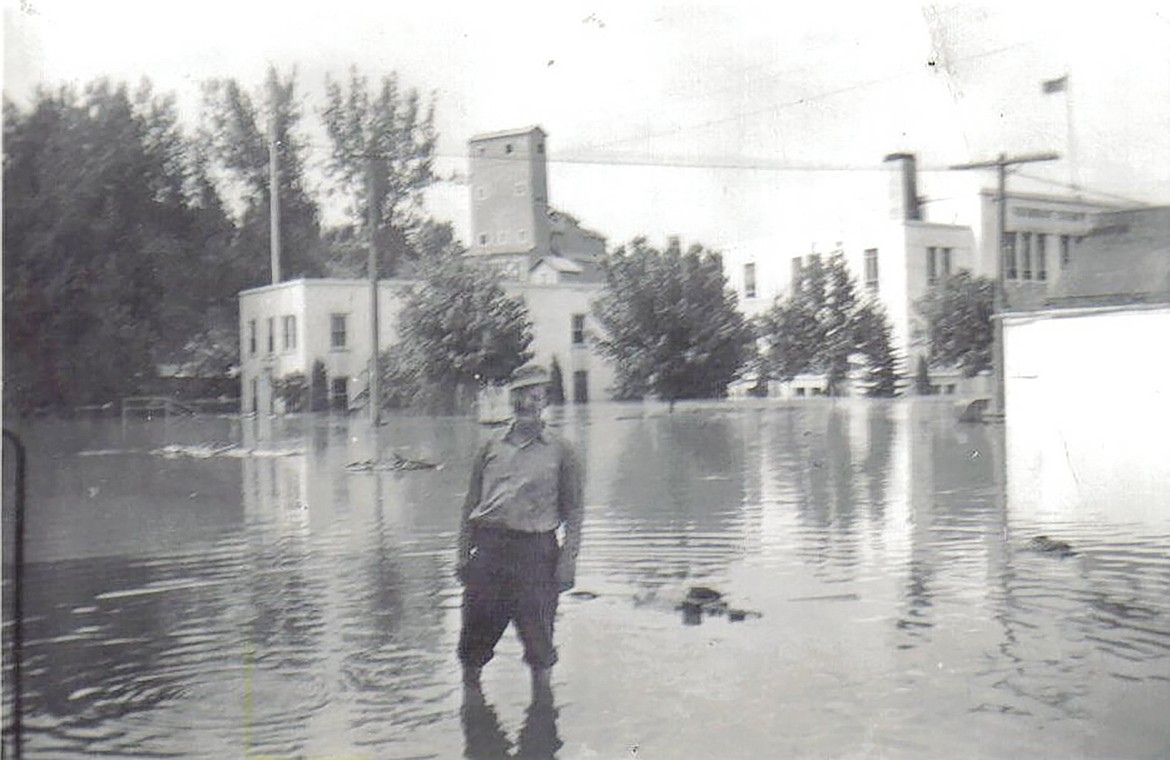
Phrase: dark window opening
pixel 581 387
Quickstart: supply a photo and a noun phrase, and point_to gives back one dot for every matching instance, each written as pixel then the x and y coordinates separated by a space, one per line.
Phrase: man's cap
pixel 527 376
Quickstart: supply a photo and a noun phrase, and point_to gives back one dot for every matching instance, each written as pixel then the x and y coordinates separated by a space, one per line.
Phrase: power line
pixel 1082 188
pixel 802 100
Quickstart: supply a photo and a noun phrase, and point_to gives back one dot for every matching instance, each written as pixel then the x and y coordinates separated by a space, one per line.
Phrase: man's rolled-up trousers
pixel 510 578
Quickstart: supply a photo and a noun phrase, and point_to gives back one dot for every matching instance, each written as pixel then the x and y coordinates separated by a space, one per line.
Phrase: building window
pixel 749 280
pixel 1008 245
pixel 1026 255
pixel 339 393
pixel 502 237
pixel 483 238
pixel 522 235
pixel 797 268
pixel 938 264
pixel 507 147
pixel 518 188
pixel 337 335
pixel 578 329
pixel 1041 257
pixel 480 193
pixel 289 325
pixel 1065 251
pixel 581 387
pixel 871 269
pixel 272 335
pixel 540 147
pixel 251 337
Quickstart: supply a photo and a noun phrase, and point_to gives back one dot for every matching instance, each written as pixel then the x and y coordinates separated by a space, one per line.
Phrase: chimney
pixel 904 203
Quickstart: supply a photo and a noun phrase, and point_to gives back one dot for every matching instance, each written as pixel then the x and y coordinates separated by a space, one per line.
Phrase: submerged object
pixel 701 600
pixel 1050 546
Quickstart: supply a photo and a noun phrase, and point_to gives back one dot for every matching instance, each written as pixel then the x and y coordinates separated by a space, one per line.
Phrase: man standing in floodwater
pixel 524 486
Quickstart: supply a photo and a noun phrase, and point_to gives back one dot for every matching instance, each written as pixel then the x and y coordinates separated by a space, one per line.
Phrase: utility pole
pixel 375 391
pixel 1001 165
pixel 274 201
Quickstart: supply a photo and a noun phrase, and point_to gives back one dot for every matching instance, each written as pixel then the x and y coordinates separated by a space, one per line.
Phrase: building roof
pixel 560 264
pixel 1125 258
pixel 507 133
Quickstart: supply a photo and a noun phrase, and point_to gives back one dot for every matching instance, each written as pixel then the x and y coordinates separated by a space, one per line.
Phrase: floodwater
pixel 232 588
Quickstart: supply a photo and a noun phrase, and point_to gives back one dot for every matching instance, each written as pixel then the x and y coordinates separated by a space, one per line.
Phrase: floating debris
pixel 207 451
pixel 585 595
pixel 701 600
pixel 1050 546
pixel 396 462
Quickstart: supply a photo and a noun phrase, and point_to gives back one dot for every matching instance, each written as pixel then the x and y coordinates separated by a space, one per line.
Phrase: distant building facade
pixel 544 256
pixel 896 260
pixel 1086 374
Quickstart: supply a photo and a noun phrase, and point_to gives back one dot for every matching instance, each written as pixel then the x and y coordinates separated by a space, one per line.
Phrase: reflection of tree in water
pixel 104 641
pixel 956 510
pixel 876 464
pixel 678 490
pixel 826 491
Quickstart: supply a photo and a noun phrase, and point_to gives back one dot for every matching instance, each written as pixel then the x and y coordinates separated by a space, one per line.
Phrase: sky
pixel 745 126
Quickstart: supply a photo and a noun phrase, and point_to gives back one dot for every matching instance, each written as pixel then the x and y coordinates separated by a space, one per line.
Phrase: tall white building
pixel 321 328
pixel 897 258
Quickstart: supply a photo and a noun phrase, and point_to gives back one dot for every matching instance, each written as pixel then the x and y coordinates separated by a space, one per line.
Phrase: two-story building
pixel 321 329
pixel 897 259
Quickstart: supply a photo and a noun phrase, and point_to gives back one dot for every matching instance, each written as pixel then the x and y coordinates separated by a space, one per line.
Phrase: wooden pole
pixel 1001 165
pixel 274 201
pixel 375 389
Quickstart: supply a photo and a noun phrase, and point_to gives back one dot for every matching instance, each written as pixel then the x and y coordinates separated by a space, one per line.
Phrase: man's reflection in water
pixel 484 738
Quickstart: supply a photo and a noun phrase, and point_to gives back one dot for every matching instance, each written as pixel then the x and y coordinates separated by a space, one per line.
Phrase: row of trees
pixel 127 236
pixel 671 326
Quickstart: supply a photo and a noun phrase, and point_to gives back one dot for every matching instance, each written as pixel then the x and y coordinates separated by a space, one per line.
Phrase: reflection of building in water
pixel 1086 378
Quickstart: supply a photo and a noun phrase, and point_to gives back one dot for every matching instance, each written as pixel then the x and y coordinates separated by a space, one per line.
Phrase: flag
pixel 1050 86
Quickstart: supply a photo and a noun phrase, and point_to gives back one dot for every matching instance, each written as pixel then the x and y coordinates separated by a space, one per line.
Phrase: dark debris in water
pixel 1047 545
pixel 395 463
pixel 701 600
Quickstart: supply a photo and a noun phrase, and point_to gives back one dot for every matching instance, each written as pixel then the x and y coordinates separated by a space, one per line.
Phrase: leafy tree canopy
pixel 823 325
pixel 670 322
pixel 383 146
pixel 958 326
pixel 459 329
pixel 236 137
pixel 115 244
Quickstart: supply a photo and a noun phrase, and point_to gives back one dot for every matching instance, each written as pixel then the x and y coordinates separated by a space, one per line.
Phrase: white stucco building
pixel 896 258
pixel 544 256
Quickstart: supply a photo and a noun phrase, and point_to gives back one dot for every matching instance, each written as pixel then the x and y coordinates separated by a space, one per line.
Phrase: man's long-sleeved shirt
pixel 529 484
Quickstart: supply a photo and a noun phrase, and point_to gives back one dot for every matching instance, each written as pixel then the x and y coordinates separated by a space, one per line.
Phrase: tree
pixel 958 326
pixel 556 384
pixel 670 322
pixel 922 382
pixel 112 244
pixel 459 329
pixel 237 141
pixel 824 325
pixel 873 335
pixel 383 147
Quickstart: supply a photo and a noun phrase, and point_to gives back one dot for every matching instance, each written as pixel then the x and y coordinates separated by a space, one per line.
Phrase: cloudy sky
pixel 742 125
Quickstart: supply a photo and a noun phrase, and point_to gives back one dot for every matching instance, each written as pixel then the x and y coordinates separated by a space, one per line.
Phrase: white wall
pixel 1087 411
